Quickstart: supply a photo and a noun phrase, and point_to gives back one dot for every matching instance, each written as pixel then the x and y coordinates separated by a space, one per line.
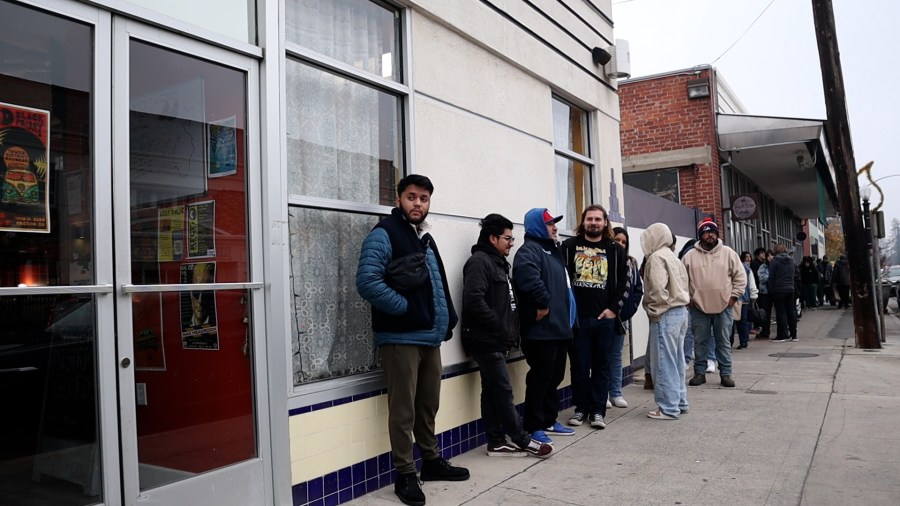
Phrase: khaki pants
pixel 413 375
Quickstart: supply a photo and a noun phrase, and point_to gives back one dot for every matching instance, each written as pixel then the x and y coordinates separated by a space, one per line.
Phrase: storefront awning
pixel 787 158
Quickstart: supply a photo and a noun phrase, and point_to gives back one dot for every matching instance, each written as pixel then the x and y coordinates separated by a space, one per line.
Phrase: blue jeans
pixel 667 359
pixel 589 356
pixel 702 324
pixel 615 367
pixel 689 345
pixel 498 409
pixel 742 327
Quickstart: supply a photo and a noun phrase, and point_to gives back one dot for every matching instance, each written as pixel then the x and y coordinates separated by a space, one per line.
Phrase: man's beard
pixel 415 222
pixel 593 234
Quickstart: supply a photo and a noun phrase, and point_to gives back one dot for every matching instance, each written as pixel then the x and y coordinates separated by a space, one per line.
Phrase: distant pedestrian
pixel 809 283
pixel 781 288
pixel 765 298
pixel 665 301
pixel 490 328
pixel 826 290
pixel 841 280
pixel 716 281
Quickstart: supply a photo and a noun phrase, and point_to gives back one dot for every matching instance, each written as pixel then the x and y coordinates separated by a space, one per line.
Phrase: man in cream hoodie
pixel 716 280
pixel 665 297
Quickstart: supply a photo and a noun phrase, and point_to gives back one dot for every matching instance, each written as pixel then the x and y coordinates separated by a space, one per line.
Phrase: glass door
pixel 58 433
pixel 189 302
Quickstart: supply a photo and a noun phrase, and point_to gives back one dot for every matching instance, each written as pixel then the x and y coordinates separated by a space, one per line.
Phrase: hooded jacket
pixel 665 277
pixel 781 274
pixel 490 322
pixel 541 282
pixel 841 274
pixel 714 276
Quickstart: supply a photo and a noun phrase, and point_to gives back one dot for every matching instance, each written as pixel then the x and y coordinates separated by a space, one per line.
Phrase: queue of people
pixel 559 303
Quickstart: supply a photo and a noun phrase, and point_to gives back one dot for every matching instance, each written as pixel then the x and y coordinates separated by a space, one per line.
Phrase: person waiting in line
pixel 410 321
pixel 742 324
pixel 781 288
pixel 634 292
pixel 826 291
pixel 840 277
pixel 546 315
pixel 667 296
pixel 809 282
pixel 716 280
pixel 599 272
pixel 765 299
pixel 490 328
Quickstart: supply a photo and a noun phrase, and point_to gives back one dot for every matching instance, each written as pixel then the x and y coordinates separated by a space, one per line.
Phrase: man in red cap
pixel 716 280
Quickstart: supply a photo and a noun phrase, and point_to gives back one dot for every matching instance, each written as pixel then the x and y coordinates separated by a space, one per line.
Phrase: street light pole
pixel 866 193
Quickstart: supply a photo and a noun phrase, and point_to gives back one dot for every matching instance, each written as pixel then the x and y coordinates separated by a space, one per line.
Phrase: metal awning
pixel 785 157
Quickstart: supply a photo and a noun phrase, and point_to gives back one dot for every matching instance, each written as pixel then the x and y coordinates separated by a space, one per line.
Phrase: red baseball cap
pixel 548 218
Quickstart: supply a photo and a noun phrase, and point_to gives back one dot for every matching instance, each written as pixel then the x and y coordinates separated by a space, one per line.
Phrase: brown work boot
pixel 726 381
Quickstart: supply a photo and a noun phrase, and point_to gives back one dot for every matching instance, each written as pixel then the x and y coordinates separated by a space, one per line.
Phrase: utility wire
pixel 745 32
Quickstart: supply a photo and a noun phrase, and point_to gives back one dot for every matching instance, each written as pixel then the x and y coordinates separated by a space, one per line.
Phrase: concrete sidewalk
pixel 813 422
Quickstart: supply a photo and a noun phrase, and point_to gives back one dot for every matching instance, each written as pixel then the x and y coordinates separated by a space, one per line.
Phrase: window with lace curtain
pixel 574 166
pixel 345 152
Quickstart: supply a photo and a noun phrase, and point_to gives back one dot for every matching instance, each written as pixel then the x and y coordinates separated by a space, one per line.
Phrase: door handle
pixel 126 362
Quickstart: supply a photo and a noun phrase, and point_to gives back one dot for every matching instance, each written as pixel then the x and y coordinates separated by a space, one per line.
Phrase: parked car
pixel 891 275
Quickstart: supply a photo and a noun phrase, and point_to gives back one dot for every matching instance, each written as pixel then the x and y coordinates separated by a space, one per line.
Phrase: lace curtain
pixel 344 143
pixel 331 323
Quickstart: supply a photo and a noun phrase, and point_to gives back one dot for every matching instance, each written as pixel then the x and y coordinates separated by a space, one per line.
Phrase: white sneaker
pixel 608 404
pixel 711 366
pixel 620 402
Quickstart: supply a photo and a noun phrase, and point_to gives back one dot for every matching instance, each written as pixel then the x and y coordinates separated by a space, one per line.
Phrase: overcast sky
pixel 774 69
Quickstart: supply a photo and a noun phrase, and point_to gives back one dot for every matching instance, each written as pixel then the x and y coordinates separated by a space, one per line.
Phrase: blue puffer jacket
pixel 541 282
pixel 418 325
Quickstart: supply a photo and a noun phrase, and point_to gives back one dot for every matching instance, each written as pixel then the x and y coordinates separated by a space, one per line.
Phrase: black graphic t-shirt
pixel 593 267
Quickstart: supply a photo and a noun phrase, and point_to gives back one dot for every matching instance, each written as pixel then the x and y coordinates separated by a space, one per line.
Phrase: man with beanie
pixel 716 280
pixel 546 313
pixel 490 328
pixel 599 271
pixel 410 320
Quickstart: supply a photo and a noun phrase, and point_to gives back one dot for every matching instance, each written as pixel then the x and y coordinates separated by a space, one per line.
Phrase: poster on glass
pixel 199 330
pixel 24 156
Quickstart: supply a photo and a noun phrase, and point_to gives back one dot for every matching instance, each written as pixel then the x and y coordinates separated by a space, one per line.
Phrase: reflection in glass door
pixel 183 200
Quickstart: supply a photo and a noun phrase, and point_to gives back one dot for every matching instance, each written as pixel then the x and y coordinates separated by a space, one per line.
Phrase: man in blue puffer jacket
pixel 546 313
pixel 410 323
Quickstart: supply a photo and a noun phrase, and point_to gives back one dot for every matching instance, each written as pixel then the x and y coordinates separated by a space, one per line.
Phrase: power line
pixel 745 31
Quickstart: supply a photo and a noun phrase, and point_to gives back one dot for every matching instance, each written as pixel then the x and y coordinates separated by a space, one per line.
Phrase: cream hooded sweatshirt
pixel 665 278
pixel 715 276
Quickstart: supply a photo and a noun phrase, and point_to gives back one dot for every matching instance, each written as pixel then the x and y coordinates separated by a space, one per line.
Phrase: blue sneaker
pixel 560 430
pixel 540 436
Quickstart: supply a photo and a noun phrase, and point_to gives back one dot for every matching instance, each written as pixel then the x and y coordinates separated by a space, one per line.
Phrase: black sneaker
pixel 408 490
pixel 697 380
pixel 505 450
pixel 440 470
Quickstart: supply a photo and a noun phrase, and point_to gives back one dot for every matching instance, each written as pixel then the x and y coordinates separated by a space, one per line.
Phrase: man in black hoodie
pixel 781 288
pixel 490 329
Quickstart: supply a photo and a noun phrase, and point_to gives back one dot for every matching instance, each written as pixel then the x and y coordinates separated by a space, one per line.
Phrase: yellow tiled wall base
pixel 330 439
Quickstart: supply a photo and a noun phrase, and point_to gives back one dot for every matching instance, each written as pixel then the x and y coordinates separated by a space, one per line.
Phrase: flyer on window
pixel 24 163
pixel 222 137
pixel 201 219
pixel 171 234
pixel 199 330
